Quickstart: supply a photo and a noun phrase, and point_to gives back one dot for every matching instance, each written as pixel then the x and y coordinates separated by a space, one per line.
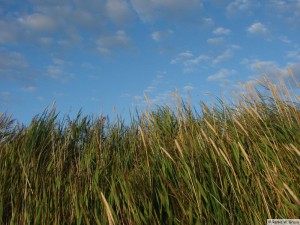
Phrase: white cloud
pixel 57 72
pixel 38 22
pixel 54 71
pixel 257 28
pixel 60 62
pixel 223 57
pixel 10 59
pixel 295 54
pixel 8 32
pixel 88 65
pixel 118 11
pixel 156 83
pixel 189 62
pixel 218 40
pixel 161 35
pixel 284 39
pixel 145 9
pixel 119 40
pixel 46 41
pixel 67 20
pixel 238 6
pixel 207 21
pixel 196 61
pixel 182 57
pixel 221 75
pixel 14 66
pixel 29 89
pixel 221 31
pixel 288 11
pixel 154 9
pixel 70 40
pixel 273 70
pixel 162 98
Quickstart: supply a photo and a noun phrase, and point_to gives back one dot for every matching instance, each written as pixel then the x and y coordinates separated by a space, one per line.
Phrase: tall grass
pixel 223 164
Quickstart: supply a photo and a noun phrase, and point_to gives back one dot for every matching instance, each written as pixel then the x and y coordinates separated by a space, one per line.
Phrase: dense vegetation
pixel 224 164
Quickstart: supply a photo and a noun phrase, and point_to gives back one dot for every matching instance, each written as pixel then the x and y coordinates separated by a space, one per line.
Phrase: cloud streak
pixel 118 11
pixel 38 22
pixel 203 61
pixel 162 35
pixel 58 71
pixel 221 75
pixel 14 66
pixel 221 31
pixel 226 55
pixel 217 40
pixel 119 40
pixel 156 9
pixel 239 6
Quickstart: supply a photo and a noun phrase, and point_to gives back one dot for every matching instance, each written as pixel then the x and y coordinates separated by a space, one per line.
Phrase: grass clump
pixel 223 165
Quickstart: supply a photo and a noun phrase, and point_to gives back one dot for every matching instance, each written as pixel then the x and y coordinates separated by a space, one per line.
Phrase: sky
pixel 105 56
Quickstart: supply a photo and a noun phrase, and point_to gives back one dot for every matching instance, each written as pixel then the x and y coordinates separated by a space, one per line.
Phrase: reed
pixel 226 164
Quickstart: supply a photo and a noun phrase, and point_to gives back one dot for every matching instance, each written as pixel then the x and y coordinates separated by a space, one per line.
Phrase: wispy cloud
pixel 57 73
pixel 12 59
pixel 207 21
pixel 162 35
pixel 239 6
pixel 284 39
pixel 9 32
pixel 153 10
pixel 38 22
pixel 155 84
pixel 119 40
pixel 196 60
pixel 221 75
pixel 62 22
pixel 294 54
pixel 159 91
pixel 226 55
pixel 288 11
pixel 58 70
pixel 29 89
pixel 118 11
pixel 273 70
pixel 45 41
pixel 217 40
pixel 182 57
pixel 221 31
pixel 14 66
pixel 189 62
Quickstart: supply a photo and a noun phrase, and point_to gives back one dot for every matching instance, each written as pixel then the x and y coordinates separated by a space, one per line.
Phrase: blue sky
pixel 100 55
